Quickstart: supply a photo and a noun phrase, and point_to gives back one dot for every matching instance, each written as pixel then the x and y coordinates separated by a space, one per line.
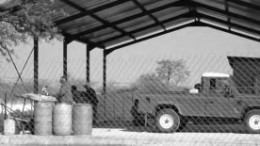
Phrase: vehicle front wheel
pixel 167 120
pixel 252 121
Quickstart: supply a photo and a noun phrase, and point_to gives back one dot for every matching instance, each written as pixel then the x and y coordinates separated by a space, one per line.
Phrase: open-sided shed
pixel 114 24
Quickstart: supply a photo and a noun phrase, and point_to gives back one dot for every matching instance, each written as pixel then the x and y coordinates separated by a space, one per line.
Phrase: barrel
pixel 82 119
pixel 62 119
pixel 9 127
pixel 43 118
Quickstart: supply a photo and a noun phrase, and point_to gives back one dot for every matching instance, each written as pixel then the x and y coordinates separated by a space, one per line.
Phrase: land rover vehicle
pixel 172 111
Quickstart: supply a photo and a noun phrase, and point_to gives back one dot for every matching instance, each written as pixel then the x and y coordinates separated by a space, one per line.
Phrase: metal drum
pixel 9 127
pixel 62 122
pixel 43 118
pixel 82 119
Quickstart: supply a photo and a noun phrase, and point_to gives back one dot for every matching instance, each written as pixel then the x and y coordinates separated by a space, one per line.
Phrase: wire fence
pixel 192 94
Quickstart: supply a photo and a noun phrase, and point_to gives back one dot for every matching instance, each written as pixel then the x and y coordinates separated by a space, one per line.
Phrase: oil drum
pixel 82 119
pixel 43 118
pixel 62 119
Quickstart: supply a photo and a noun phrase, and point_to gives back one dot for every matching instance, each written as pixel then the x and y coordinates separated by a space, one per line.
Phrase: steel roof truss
pixel 185 15
pixel 178 3
pixel 151 36
pixel 229 24
pixel 232 15
pixel 245 4
pixel 95 10
pixel 97 17
pixel 149 14
pixel 229 31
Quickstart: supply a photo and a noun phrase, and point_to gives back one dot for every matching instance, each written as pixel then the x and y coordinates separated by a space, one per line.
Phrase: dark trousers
pixel 139 120
pixel 94 108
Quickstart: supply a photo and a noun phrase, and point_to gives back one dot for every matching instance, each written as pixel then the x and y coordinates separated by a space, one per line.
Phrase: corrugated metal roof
pixel 106 23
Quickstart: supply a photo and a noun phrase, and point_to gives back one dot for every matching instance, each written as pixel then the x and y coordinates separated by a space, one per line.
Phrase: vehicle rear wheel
pixel 252 121
pixel 167 120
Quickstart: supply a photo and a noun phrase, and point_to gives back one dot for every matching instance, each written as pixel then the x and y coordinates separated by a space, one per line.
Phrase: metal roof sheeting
pixel 106 23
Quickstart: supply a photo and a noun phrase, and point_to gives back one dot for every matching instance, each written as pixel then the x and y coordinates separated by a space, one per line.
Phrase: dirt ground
pixel 118 133
pixel 133 136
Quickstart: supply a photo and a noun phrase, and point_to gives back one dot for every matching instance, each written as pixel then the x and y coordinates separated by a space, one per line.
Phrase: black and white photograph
pixel 129 72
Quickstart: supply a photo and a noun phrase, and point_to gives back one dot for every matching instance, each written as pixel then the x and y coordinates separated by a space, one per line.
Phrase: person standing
pixel 92 99
pixel 78 96
pixel 137 115
pixel 64 94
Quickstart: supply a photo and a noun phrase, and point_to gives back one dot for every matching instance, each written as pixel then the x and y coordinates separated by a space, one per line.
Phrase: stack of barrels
pixel 62 119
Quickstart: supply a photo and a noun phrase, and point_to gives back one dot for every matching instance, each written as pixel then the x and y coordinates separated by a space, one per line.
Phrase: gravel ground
pixel 231 135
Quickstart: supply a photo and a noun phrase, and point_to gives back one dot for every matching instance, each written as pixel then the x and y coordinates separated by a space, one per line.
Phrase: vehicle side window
pixel 212 84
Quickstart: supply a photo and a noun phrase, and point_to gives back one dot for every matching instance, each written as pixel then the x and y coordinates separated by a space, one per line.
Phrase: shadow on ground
pixel 189 128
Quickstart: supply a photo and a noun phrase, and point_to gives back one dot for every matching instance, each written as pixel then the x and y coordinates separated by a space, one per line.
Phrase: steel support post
pixel 36 64
pixel 65 56
pixel 104 72
pixel 89 48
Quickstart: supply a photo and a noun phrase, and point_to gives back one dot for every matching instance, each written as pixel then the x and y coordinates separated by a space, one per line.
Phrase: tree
pixel 29 18
pixel 150 82
pixel 172 71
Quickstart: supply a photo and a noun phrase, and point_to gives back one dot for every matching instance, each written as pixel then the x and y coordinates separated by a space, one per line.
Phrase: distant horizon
pixel 204 50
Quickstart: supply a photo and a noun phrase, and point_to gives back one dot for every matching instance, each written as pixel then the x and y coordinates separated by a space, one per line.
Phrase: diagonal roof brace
pixel 95 10
pixel 244 3
pixel 176 3
pixel 232 15
pixel 230 25
pixel 150 36
pixel 68 2
pixel 194 5
pixel 230 31
pixel 185 15
pixel 149 14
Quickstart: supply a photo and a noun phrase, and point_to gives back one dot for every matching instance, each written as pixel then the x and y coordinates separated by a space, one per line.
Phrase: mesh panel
pixel 166 94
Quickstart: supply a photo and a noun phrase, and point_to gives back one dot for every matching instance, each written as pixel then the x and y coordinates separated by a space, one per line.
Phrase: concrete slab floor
pixel 120 137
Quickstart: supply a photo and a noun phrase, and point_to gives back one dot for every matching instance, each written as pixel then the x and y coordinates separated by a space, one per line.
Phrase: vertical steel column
pixel 104 72
pixel 105 54
pixel 89 48
pixel 36 63
pixel 87 64
pixel 65 55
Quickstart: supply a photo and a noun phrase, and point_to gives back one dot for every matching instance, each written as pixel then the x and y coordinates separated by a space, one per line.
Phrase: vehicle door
pixel 192 105
pixel 219 105
pixel 187 104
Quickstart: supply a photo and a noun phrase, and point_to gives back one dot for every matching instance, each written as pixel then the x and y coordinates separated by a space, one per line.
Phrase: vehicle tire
pixel 167 120
pixel 252 121
pixel 183 123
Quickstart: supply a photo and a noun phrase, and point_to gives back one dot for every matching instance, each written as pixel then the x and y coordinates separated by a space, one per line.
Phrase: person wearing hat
pixel 64 94
pixel 78 96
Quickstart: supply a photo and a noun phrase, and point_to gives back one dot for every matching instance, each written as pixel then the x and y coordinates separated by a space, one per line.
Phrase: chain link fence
pixel 168 94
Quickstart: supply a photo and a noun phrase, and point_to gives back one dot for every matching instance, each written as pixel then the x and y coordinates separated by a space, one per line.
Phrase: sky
pixel 203 49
